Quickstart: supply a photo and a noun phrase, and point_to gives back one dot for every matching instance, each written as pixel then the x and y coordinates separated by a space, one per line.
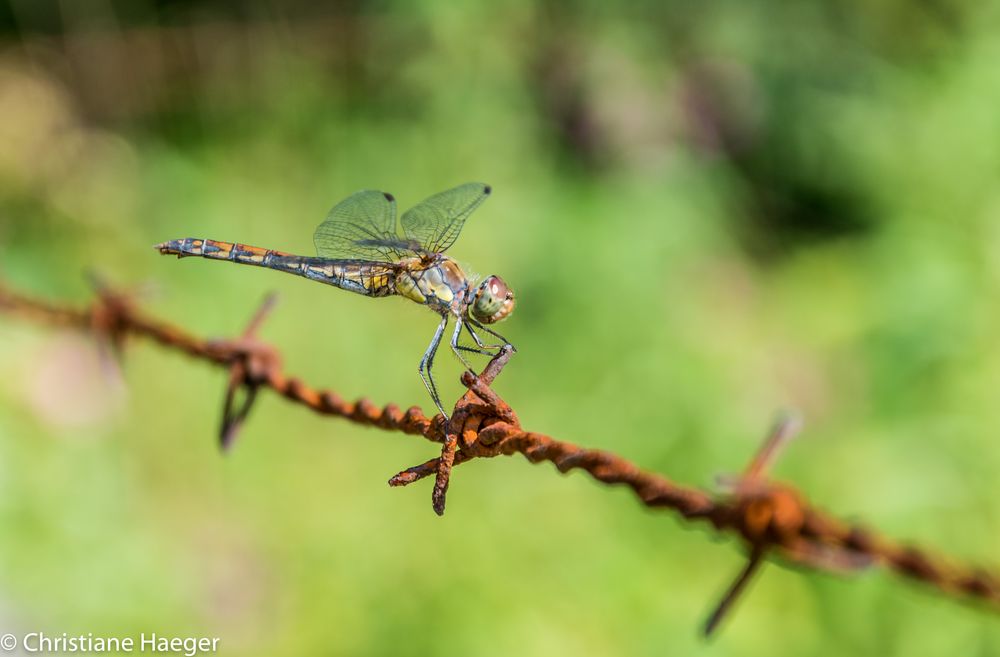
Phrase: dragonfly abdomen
pixel 216 250
pixel 372 279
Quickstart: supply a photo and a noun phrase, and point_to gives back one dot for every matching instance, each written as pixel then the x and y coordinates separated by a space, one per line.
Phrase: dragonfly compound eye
pixel 493 301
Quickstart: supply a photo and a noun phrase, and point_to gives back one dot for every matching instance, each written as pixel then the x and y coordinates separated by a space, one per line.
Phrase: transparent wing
pixel 361 227
pixel 435 223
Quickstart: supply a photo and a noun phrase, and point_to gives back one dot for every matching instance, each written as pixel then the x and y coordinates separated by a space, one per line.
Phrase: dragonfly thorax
pixel 439 283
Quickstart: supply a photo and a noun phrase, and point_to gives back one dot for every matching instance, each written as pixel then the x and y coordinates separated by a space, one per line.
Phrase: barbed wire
pixel 771 519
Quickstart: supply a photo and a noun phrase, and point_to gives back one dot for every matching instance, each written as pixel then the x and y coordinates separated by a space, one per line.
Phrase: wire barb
pixel 772 520
pixel 759 513
pixel 462 423
pixel 248 367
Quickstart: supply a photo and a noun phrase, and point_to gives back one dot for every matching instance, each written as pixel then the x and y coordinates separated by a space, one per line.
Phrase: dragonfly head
pixel 492 301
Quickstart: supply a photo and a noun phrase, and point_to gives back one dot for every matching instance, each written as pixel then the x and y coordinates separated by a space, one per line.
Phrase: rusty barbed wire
pixel 771 519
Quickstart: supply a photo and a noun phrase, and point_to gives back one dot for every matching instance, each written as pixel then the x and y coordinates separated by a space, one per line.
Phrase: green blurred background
pixel 708 211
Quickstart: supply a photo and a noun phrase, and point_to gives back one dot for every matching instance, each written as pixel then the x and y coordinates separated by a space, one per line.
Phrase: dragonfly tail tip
pixel 166 248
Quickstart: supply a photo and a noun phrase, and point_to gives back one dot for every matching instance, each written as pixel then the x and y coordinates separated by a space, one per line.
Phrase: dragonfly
pixel 360 249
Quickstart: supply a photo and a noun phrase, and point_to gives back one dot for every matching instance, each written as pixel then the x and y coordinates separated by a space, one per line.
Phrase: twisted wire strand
pixel 770 519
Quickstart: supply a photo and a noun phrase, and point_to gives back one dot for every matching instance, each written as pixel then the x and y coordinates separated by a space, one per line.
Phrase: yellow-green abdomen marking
pixel 369 279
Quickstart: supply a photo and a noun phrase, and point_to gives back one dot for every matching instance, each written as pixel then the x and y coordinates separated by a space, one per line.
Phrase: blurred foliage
pixel 708 212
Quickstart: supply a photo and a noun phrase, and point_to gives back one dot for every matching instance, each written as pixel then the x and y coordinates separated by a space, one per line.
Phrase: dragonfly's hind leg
pixel 457 348
pixel 427 362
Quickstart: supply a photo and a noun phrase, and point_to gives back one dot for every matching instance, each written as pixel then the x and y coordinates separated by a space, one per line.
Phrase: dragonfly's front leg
pixel 478 325
pixel 427 362
pixel 483 349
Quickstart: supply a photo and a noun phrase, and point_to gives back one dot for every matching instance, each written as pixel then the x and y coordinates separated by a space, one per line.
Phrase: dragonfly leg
pixel 484 349
pixel 481 327
pixel 473 350
pixel 427 362
pixel 457 348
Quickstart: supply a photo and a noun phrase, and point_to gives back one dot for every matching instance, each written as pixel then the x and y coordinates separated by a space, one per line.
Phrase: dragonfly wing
pixel 435 223
pixel 362 226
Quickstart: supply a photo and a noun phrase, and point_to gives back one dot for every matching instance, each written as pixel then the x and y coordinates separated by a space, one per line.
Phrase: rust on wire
pixel 772 520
